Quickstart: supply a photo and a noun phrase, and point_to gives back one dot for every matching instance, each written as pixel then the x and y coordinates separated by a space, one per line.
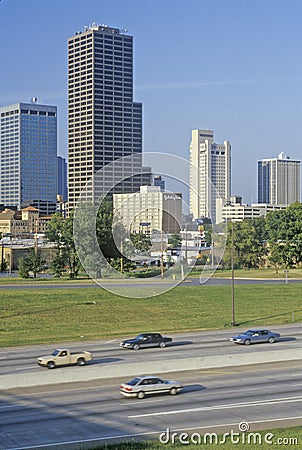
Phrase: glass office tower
pixel 104 122
pixel 279 180
pixel 28 156
pixel 62 178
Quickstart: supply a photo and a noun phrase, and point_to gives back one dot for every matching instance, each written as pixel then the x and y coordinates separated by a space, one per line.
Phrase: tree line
pixel 274 240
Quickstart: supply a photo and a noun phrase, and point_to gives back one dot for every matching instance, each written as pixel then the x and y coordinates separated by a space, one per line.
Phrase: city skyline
pixel 230 67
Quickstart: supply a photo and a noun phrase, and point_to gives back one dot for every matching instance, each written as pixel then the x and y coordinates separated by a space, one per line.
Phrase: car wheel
pixel 136 347
pixel 173 391
pixel 162 344
pixel 247 342
pixel 271 340
pixel 81 362
pixel 50 365
pixel 140 394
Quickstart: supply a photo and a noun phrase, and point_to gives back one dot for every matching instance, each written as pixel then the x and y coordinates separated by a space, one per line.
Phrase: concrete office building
pixel 104 122
pixel 279 180
pixel 210 174
pixel 236 211
pixel 28 156
pixel 149 210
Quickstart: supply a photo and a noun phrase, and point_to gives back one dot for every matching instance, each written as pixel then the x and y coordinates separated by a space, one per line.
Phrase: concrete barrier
pixel 124 370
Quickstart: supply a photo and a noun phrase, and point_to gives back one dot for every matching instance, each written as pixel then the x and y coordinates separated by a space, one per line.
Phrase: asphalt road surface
pixel 16 360
pixel 81 415
pixel 111 283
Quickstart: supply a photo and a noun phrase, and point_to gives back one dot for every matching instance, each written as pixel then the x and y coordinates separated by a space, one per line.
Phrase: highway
pixel 16 360
pixel 81 415
pixel 78 407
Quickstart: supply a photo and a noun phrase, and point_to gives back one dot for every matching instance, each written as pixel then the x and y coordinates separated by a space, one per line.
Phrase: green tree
pixel 141 242
pixel 284 230
pixel 60 231
pixel 175 241
pixel 108 230
pixel 32 262
pixel 249 251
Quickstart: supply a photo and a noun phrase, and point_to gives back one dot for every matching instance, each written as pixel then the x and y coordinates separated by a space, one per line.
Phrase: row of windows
pixel 39 113
pixel 9 113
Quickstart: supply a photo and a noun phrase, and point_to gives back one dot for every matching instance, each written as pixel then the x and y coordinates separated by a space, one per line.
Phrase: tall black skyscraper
pixel 104 122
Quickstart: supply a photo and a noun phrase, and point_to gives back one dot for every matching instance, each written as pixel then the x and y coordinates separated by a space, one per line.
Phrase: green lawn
pixel 253 273
pixel 289 438
pixel 32 316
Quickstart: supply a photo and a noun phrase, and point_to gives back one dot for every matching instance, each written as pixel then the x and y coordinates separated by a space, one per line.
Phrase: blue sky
pixel 232 66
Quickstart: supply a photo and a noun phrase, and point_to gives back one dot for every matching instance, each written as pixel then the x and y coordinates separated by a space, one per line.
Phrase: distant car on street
pixel 146 340
pixel 141 386
pixel 255 336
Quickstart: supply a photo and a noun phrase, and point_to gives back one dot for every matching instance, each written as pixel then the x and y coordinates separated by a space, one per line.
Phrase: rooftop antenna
pixel 34 100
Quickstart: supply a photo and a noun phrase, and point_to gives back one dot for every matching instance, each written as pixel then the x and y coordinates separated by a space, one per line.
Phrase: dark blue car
pixel 146 340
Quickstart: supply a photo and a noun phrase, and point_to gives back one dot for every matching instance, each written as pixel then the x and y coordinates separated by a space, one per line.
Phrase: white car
pixel 141 386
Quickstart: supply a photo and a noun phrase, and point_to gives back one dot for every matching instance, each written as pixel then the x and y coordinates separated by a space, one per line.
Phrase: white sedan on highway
pixel 141 386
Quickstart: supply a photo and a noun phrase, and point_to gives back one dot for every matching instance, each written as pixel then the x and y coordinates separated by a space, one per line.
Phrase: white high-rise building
pixel 210 174
pixel 279 180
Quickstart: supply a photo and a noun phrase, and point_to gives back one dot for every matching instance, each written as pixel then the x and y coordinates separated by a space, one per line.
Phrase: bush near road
pixel 34 316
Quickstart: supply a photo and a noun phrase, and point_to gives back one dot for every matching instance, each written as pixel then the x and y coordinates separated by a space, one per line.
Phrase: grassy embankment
pixel 284 434
pixel 194 273
pixel 253 273
pixel 32 316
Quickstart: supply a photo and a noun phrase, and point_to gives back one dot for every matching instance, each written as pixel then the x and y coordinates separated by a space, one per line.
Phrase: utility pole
pixel 2 256
pixel 161 255
pixel 36 237
pixel 233 323
pixel 122 261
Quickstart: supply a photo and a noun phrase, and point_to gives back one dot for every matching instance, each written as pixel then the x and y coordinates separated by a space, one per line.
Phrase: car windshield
pixel 140 337
pixel 55 352
pixel 134 381
pixel 249 332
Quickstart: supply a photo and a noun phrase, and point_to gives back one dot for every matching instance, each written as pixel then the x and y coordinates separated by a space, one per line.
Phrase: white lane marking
pixel 123 436
pixel 140 402
pixel 14 406
pixel 232 405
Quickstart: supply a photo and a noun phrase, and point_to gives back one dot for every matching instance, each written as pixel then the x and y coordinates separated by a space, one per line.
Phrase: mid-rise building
pixel 25 223
pixel 210 174
pixel 236 211
pixel 279 180
pixel 149 210
pixel 104 122
pixel 158 180
pixel 28 156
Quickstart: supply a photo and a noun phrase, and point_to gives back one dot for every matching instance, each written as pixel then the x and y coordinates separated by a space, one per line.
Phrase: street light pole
pixel 121 260
pixel 233 323
pixel 161 255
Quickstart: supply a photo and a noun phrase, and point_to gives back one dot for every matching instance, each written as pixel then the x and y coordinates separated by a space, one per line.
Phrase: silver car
pixel 141 386
pixel 255 336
